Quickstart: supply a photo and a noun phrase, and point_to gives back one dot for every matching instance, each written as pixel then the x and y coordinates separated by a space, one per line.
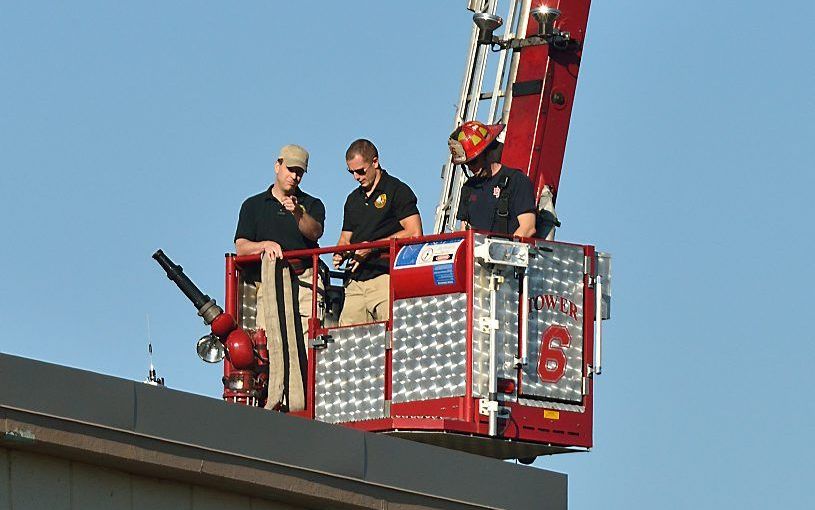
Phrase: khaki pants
pixel 367 301
pixel 304 302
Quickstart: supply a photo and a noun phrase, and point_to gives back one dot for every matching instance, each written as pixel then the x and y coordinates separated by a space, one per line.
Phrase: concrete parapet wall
pixel 68 437
pixel 45 482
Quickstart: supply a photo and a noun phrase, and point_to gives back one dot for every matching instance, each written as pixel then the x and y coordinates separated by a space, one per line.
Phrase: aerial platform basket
pixel 492 343
pixel 456 365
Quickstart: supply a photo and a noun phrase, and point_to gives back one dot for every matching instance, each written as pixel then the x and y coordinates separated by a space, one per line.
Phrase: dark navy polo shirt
pixel 479 210
pixel 377 216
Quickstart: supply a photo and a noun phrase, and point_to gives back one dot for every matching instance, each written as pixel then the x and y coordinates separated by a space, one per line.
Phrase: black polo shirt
pixel 479 210
pixel 263 218
pixel 374 217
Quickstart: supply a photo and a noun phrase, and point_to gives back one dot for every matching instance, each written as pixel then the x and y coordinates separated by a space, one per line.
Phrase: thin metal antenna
pixel 151 374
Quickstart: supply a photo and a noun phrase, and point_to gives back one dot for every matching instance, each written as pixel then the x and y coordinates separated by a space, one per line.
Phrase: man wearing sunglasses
pixel 382 207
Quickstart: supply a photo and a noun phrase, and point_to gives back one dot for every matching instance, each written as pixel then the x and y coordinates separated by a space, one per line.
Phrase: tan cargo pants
pixel 367 301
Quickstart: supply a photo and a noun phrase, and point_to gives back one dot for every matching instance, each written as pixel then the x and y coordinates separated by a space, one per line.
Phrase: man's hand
pixel 272 248
pixel 358 257
pixel 339 258
pixel 291 205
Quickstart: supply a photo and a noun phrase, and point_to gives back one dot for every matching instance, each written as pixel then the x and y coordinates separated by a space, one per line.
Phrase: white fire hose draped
pixel 284 334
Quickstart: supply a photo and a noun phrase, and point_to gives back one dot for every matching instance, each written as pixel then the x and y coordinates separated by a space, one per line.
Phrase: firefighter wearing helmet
pixel 496 198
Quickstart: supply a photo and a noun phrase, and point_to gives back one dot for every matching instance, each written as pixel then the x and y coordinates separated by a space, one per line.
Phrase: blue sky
pixel 130 127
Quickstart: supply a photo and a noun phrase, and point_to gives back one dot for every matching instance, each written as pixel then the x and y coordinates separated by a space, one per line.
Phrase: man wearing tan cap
pixel 283 218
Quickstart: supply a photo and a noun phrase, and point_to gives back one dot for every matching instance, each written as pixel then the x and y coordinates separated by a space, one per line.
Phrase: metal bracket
pixel 388 340
pixel 587 271
pixel 485 406
pixel 498 280
pixel 322 341
pixel 562 41
pixel 520 362
pixel 485 324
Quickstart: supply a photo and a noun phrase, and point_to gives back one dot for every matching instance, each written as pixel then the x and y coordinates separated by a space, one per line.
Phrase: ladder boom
pixel 532 93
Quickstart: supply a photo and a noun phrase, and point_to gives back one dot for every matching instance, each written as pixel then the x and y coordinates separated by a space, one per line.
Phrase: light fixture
pixel 502 252
pixel 487 24
pixel 210 349
pixel 546 17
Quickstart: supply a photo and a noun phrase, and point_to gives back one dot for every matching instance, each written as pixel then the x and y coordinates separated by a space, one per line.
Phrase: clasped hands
pixel 355 256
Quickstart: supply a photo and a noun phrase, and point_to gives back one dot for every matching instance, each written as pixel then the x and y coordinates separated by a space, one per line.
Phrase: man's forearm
pixel 411 227
pixel 399 235
pixel 526 225
pixel 345 238
pixel 247 247
pixel 309 227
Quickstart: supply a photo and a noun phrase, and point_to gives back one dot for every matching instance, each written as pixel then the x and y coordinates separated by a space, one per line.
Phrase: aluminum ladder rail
pixel 472 95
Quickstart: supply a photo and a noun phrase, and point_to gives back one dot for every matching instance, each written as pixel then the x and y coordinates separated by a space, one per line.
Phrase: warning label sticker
pixel 443 274
pixel 428 254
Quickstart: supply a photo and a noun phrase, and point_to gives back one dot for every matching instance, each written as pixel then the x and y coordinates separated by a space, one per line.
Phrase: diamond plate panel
pixel 247 305
pixel 556 297
pixel 429 347
pixel 350 375
pixel 507 297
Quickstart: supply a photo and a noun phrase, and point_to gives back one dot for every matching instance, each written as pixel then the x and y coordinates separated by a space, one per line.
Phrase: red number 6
pixel 552 360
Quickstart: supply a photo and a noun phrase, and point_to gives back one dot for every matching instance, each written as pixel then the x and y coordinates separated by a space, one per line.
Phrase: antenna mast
pixel 152 379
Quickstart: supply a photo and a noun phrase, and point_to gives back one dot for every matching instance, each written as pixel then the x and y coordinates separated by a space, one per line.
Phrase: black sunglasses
pixel 361 171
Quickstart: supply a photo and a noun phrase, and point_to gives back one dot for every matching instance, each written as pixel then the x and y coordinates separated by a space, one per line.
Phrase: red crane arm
pixel 542 98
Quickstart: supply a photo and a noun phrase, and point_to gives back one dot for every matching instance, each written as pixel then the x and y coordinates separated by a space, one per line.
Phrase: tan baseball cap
pixel 294 156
